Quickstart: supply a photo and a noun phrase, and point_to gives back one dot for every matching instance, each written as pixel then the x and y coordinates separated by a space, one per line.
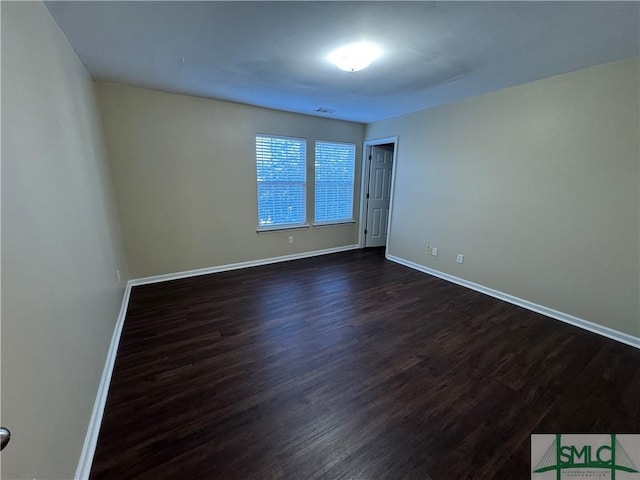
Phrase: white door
pixel 378 196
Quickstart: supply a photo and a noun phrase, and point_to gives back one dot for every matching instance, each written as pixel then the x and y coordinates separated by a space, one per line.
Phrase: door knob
pixel 5 436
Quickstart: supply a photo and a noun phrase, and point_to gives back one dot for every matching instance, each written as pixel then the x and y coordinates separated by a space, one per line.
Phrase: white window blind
pixel 334 175
pixel 282 181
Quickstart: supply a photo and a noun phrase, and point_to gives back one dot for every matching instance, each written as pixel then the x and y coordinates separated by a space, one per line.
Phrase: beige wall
pixel 185 179
pixel 60 247
pixel 537 185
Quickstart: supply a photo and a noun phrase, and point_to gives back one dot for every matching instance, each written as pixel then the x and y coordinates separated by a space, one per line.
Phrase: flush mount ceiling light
pixel 355 56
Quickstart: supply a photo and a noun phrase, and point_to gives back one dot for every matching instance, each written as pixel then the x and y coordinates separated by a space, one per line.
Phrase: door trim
pixel 364 185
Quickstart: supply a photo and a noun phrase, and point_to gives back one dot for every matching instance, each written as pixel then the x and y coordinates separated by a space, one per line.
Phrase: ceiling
pixel 273 54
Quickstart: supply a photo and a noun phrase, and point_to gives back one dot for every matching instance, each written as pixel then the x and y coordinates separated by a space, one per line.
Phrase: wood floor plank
pixel 348 366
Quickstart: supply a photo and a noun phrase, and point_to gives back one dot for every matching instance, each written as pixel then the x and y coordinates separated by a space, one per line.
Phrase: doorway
pixel 377 192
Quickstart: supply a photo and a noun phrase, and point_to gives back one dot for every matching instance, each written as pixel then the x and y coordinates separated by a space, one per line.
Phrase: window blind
pixel 334 179
pixel 282 181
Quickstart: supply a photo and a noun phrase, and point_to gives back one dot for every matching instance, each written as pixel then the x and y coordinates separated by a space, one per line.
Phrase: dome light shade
pixel 355 56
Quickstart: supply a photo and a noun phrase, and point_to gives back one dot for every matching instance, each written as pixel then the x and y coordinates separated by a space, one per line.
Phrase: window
pixel 281 165
pixel 335 165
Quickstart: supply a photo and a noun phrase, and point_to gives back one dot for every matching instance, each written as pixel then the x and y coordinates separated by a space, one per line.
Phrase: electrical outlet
pixel 434 251
pixel 429 250
pixel 460 258
pixel 291 239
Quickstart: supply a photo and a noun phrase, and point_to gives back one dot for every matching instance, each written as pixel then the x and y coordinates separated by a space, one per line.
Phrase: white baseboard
pixel 91 439
pixel 237 266
pixel 549 312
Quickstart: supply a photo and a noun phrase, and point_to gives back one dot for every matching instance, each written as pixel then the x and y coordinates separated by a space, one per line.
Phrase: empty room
pixel 320 240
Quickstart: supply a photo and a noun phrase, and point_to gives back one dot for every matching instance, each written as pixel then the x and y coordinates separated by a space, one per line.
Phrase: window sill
pixel 282 227
pixel 333 224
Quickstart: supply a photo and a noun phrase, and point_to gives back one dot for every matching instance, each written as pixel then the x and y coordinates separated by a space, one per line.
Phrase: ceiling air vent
pixel 324 110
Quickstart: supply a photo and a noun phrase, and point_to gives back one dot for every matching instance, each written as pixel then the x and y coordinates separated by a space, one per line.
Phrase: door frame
pixel 365 185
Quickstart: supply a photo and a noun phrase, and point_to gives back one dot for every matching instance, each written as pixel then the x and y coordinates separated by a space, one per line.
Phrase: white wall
pixel 184 175
pixel 60 247
pixel 537 185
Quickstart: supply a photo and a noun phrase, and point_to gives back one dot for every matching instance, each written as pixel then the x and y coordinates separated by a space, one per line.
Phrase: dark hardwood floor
pixel 348 366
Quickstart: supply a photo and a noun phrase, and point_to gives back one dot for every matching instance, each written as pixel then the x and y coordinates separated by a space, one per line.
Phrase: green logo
pixel 608 456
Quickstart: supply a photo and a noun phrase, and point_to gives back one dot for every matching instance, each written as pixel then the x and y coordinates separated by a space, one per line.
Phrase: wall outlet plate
pixel 460 258
pixel 434 251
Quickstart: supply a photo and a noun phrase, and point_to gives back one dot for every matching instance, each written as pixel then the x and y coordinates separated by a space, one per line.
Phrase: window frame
pixel 305 184
pixel 341 221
